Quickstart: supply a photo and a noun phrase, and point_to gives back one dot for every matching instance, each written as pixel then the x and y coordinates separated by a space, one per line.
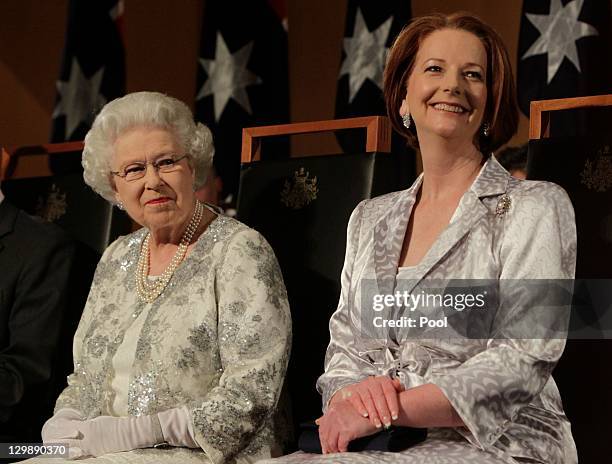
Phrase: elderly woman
pixel 485 393
pixel 185 337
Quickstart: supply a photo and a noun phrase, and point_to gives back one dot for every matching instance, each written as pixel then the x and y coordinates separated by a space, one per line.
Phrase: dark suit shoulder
pixel 26 235
pixel 34 229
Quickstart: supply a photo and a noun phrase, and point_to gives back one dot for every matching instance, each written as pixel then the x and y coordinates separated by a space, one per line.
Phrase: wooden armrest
pixel 539 111
pixel 378 133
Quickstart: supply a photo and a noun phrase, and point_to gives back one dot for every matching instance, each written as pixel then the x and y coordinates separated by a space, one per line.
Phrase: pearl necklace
pixel 149 291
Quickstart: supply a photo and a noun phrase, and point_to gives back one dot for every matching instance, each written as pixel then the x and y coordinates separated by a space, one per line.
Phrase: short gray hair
pixel 143 109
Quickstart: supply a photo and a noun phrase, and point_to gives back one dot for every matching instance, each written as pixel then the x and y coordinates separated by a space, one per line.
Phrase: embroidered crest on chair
pixel 54 206
pixel 597 175
pixel 299 191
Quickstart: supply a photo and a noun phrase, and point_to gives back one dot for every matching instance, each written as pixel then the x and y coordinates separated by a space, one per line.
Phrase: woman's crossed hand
pixel 375 398
pixel 340 425
pixel 359 410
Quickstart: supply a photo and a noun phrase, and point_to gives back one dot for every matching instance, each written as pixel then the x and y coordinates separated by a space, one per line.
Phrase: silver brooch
pixel 503 205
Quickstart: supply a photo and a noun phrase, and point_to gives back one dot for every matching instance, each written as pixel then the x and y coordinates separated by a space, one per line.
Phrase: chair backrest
pixel 47 181
pixel 540 111
pixel 582 165
pixel 302 207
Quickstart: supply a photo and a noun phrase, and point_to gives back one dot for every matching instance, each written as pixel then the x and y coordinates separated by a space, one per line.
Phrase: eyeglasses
pixel 135 171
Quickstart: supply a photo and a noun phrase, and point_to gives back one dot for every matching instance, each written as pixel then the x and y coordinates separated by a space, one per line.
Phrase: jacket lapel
pixel 468 213
pixel 390 231
pixel 388 237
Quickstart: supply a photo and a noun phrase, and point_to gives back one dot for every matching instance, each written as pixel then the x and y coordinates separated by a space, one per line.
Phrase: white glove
pixel 61 427
pixel 176 427
pixel 107 434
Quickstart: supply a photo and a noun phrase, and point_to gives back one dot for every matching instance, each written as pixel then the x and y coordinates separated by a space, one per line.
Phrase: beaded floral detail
pixel 97 345
pixel 268 272
pixel 142 392
pixel 201 337
pixel 237 308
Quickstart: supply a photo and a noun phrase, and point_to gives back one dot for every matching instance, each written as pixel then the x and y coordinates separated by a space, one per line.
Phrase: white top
pixel 406 269
pixel 123 363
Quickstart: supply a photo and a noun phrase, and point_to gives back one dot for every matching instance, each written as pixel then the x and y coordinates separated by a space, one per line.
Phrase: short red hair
pixel 502 110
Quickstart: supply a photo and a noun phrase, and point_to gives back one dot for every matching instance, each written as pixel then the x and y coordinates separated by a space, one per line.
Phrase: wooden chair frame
pixel 378 133
pixel 33 160
pixel 539 111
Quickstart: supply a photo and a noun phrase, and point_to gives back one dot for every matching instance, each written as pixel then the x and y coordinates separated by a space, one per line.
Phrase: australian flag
pixel 242 77
pixel 564 50
pixel 93 66
pixel 371 28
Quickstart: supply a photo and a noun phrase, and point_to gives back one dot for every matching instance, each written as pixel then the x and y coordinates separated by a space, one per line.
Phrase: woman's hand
pixel 107 434
pixel 375 398
pixel 340 425
pixel 102 435
pixel 61 425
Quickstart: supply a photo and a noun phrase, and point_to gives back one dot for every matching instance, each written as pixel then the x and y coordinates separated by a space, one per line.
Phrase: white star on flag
pixel 80 97
pixel 228 77
pixel 365 54
pixel 559 31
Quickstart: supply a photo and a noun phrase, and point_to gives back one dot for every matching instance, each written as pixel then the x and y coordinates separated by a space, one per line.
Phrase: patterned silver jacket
pixel 217 341
pixel 500 385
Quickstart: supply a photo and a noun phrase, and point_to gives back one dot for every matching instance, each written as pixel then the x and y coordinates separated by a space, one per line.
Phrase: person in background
pixel 36 260
pixel 211 190
pixel 514 160
pixel 183 345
